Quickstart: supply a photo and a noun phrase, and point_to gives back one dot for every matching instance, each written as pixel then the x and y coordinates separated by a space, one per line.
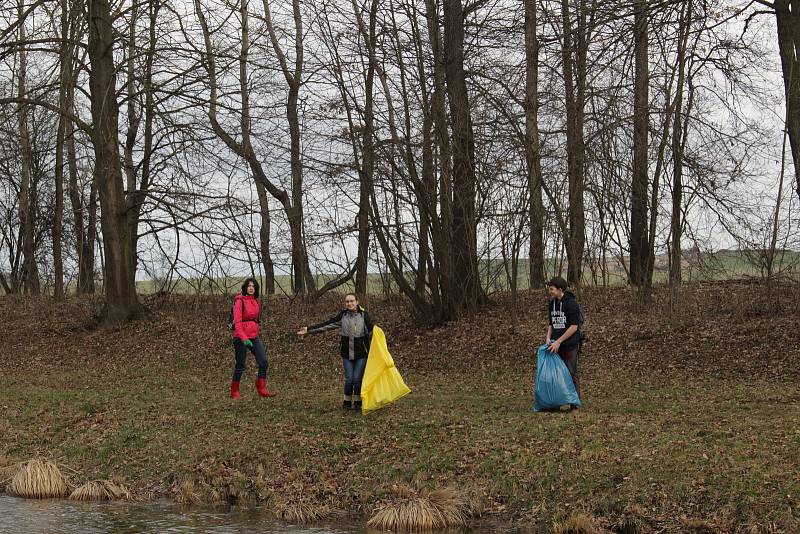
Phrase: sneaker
pixel 565 407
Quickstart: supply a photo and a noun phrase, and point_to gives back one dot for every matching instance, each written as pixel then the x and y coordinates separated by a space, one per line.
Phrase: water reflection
pixel 18 516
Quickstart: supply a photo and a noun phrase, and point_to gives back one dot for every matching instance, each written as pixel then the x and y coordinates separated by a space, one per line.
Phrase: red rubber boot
pixel 235 390
pixel 261 387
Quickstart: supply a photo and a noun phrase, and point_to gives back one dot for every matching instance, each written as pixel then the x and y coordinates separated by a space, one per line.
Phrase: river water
pixel 49 516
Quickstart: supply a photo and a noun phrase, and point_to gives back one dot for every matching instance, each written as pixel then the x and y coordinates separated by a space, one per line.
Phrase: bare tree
pixel 27 194
pixel 120 283
pixel 465 247
pixel 65 73
pixel 574 52
pixel 640 236
pixel 367 168
pixel 787 20
pixel 533 150
pixel 303 279
pixel 678 140
pixel 84 211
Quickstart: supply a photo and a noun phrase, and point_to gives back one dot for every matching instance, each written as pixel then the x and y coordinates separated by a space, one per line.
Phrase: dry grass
pixel 301 511
pixel 101 490
pixel 186 493
pixel 633 521
pixel 698 525
pixel 38 479
pixel 577 524
pixel 420 512
pixel 770 528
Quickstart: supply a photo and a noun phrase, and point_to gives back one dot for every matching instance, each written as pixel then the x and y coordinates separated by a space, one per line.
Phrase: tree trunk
pixel 428 222
pixel 442 244
pixel 787 16
pixel 465 255
pixel 119 280
pixel 4 283
pixel 368 157
pixel 265 239
pixel 65 79
pixel 639 240
pixel 137 192
pixel 303 280
pixel 27 206
pixel 428 277
pixel 574 70
pixel 676 222
pixel 85 226
pixel 88 258
pixel 532 147
pixel 84 216
pixel 263 199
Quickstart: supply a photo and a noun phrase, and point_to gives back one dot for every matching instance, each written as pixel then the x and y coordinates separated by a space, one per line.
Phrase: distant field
pixel 724 265
pixel 718 266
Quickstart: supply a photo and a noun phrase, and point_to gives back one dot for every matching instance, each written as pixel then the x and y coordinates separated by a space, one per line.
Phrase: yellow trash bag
pixel 382 383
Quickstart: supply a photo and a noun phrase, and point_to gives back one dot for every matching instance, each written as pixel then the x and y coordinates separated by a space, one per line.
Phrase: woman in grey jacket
pixel 355 326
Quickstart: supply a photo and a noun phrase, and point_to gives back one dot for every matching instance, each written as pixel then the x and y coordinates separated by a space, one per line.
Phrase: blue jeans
pixel 258 350
pixel 353 374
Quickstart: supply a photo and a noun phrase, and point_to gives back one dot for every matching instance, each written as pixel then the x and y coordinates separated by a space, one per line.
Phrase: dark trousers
pixel 258 350
pixel 353 374
pixel 570 357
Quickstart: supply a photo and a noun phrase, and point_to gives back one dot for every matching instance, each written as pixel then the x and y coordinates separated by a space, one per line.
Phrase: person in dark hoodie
pixel 355 327
pixel 246 316
pixel 563 332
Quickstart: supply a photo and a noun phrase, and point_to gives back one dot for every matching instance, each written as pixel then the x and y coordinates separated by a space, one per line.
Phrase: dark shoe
pixel 346 407
pixel 357 406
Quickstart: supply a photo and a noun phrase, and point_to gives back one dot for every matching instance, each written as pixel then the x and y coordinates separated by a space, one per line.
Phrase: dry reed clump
pixel 101 490
pixel 186 493
pixel 577 524
pixel 301 511
pixel 633 521
pixel 303 497
pixel 412 511
pixel 38 479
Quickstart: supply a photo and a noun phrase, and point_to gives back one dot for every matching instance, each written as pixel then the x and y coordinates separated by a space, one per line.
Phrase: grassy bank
pixel 691 418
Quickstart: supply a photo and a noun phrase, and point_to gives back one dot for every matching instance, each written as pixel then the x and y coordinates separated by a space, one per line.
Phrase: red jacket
pixel 245 325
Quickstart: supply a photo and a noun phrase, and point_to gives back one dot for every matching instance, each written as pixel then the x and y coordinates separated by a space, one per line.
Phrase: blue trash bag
pixel 554 385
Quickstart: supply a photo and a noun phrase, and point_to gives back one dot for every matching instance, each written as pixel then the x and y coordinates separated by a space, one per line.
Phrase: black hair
pixel 558 282
pixel 255 285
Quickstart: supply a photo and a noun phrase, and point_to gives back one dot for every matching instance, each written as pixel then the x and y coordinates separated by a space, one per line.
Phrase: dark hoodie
pixel 563 314
pixel 356 332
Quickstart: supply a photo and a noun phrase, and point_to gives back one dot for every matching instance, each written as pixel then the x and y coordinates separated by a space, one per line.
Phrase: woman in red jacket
pixel 246 315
